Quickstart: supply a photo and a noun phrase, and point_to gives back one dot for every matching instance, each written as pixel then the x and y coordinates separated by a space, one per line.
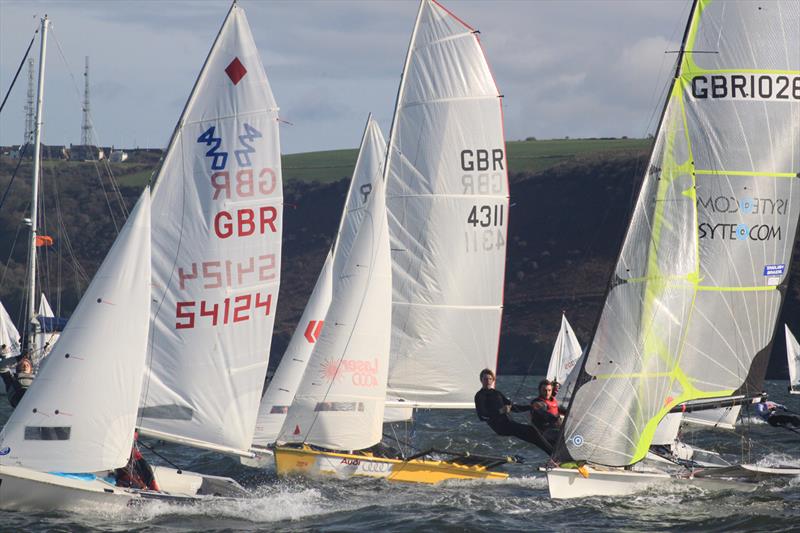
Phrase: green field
pixel 523 156
pixel 333 165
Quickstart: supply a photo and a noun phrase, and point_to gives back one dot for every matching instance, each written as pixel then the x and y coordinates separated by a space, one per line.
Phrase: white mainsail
pixel 79 413
pixel 46 338
pixel 793 359
pixel 216 253
pixel 447 198
pixel 565 360
pixel 283 386
pixel 340 401
pixel 9 335
pixel 693 304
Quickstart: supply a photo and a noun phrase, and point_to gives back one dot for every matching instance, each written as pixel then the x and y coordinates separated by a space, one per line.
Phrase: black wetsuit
pixel 777 420
pixel 489 404
pixel 14 390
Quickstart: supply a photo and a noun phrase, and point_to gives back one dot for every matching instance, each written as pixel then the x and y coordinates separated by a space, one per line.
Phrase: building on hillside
pixel 47 152
pixel 85 152
pixel 117 156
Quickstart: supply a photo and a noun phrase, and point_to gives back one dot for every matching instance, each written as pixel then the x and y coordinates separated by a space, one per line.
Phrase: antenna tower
pixel 86 127
pixel 30 108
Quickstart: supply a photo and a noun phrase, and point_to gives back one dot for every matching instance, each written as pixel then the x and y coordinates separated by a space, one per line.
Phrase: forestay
pixel 216 253
pixel 340 402
pixel 693 303
pixel 79 413
pixel 447 198
pixel 793 358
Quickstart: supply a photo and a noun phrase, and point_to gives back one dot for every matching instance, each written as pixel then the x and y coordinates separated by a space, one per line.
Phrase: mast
pixel 393 127
pixel 37 144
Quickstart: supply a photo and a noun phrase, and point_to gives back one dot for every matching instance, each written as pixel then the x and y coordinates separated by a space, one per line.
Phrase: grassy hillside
pixel 333 165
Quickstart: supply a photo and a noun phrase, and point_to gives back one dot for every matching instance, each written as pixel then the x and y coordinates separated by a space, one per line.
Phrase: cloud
pixel 582 67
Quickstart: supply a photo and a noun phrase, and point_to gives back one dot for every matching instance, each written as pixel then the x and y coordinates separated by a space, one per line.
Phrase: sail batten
pixel 699 282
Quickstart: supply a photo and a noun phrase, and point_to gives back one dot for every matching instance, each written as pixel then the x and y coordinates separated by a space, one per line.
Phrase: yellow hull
pixel 305 461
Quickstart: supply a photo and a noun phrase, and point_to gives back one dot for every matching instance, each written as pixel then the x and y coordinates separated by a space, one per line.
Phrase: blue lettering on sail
pixel 220 159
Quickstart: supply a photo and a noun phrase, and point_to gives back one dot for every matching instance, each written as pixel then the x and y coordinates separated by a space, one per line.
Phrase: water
pixel 520 503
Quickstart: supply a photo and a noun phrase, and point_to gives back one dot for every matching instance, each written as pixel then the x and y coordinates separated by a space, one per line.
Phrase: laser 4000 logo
pixel 361 373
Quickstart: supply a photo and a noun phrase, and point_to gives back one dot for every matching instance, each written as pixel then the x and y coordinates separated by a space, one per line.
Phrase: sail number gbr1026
pixel 486 231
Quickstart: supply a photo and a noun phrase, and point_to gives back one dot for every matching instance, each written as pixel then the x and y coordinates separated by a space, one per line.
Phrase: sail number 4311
pixel 487 231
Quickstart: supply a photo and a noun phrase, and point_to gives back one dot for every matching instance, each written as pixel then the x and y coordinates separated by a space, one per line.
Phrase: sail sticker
pixel 774 270
pixel 577 441
pixel 746 87
pixel 235 71
pixel 5 451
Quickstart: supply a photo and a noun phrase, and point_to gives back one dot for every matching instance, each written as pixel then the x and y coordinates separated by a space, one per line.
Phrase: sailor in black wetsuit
pixel 493 407
pixel 16 384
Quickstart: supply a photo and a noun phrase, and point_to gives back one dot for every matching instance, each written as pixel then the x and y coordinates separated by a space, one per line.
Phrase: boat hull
pixel 565 483
pixel 22 489
pixel 315 463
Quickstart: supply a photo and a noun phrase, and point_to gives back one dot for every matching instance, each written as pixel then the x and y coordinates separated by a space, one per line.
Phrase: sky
pixel 577 68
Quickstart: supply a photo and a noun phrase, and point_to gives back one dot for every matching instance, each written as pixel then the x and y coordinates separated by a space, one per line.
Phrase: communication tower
pixel 30 108
pixel 86 127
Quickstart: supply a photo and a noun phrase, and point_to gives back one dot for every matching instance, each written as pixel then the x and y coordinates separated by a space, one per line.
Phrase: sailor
pixel 546 414
pixel 493 408
pixel 138 473
pixel 18 383
pixel 775 414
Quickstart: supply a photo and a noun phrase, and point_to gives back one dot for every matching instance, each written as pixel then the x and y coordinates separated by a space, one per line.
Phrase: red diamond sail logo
pixel 235 71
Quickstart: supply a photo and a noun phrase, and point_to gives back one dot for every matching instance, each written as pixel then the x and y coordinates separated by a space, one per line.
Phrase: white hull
pixel 22 489
pixel 565 483
pixel 262 458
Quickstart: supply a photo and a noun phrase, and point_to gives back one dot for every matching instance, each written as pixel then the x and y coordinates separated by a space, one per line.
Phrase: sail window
pixel 339 406
pixel 279 409
pixel 166 412
pixel 47 433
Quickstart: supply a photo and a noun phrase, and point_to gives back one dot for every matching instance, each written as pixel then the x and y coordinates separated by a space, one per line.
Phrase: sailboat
pixel 339 405
pixel 216 254
pixel 59 446
pixel 693 302
pixel 447 204
pixel 565 360
pixel 793 360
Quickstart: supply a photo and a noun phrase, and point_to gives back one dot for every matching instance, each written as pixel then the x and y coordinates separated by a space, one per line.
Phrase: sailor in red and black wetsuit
pixel 493 407
pixel 546 413
pixel 137 474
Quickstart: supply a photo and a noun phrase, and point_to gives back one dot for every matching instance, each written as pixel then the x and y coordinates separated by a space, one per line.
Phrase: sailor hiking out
pixel 493 407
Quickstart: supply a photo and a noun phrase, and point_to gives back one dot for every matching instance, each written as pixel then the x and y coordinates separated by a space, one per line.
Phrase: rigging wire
pixel 114 186
pixel 19 69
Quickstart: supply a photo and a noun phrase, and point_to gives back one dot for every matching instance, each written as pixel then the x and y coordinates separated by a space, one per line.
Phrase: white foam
pixel 271 503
